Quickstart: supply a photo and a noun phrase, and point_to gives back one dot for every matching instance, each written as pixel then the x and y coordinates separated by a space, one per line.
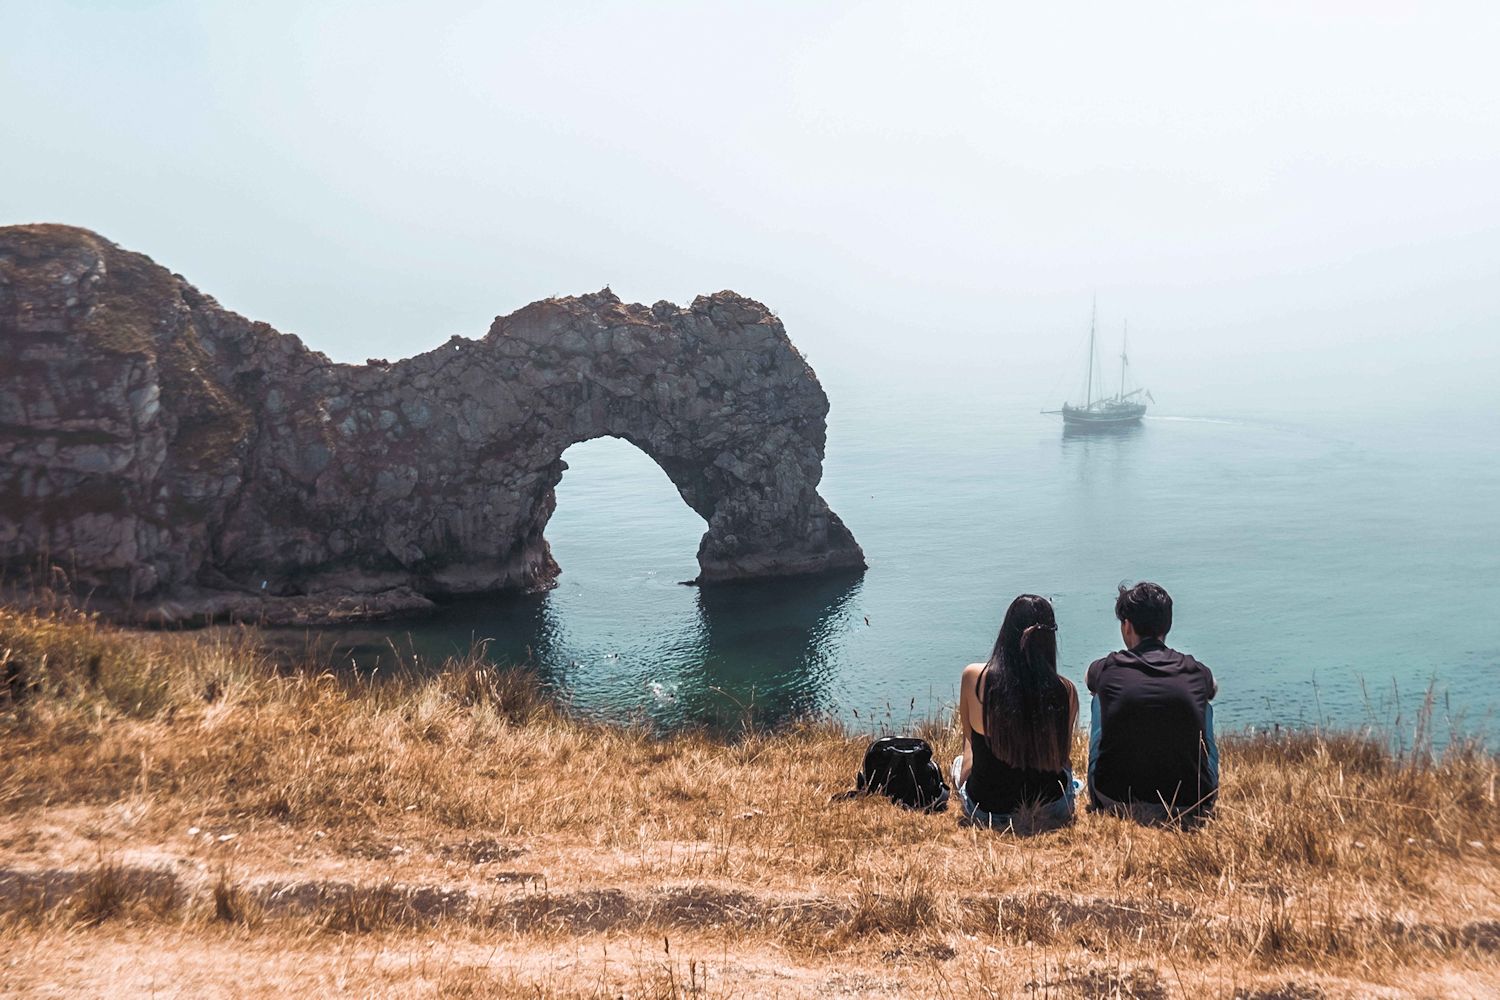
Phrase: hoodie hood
pixel 1152 656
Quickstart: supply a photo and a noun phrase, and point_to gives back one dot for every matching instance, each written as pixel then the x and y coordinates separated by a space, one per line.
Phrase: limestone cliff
pixel 176 459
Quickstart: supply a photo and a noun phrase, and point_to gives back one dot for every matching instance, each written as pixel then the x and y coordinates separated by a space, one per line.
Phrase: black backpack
pixel 902 769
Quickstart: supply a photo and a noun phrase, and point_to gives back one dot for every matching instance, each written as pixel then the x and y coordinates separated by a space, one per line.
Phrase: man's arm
pixel 1091 679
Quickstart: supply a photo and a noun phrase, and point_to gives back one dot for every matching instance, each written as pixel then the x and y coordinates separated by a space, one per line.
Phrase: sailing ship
pixel 1119 410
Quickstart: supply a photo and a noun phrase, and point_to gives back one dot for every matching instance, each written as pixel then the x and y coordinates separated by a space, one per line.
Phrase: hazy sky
pixel 1287 200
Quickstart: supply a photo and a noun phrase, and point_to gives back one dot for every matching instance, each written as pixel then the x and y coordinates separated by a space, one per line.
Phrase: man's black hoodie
pixel 1152 706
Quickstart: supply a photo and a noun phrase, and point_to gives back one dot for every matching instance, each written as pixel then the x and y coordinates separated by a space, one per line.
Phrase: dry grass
pixel 178 803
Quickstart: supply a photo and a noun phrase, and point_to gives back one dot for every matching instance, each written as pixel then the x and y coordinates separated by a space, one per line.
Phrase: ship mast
pixel 1089 393
pixel 1124 340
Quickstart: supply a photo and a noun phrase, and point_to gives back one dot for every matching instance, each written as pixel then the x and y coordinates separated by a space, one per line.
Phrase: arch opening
pixel 619 516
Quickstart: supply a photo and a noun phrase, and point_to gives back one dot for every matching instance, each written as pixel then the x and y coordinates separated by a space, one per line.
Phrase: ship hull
pixel 1080 418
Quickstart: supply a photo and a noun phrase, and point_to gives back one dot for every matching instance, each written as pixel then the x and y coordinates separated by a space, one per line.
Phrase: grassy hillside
pixel 178 816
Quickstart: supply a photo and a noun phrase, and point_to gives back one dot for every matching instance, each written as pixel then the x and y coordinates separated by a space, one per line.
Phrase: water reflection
pixel 1106 432
pixel 1100 454
pixel 515 630
pixel 720 657
pixel 774 648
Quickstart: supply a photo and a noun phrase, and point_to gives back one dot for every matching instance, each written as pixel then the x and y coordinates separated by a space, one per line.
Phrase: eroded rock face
pixel 158 448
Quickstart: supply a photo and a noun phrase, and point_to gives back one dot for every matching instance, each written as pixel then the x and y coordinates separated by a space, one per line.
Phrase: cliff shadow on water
pixel 772 644
pixel 741 655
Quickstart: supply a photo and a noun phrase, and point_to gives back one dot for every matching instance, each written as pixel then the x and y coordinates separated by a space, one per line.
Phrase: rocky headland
pixel 176 462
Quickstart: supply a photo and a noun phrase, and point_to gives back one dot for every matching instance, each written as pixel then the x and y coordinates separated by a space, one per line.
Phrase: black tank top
pixel 998 787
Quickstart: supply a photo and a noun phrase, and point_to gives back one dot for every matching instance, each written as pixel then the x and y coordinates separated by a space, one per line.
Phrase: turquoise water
pixel 1328 570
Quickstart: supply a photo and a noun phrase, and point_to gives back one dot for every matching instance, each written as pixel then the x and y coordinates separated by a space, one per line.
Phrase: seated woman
pixel 1018 716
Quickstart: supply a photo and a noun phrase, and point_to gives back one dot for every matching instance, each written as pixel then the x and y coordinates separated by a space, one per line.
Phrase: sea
pixel 1332 569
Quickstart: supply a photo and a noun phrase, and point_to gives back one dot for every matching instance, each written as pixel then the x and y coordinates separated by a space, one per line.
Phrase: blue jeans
pixel 1048 816
pixel 1144 812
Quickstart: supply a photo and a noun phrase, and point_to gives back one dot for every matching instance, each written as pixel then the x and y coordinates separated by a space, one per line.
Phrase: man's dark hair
pixel 1148 609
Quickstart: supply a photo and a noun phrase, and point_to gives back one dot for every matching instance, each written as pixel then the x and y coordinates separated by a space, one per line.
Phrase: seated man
pixel 1152 754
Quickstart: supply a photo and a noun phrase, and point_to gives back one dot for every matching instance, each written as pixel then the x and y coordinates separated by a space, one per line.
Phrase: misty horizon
pixel 1290 208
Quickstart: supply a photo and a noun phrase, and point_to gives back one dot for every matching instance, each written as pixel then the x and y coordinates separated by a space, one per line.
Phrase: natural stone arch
pixel 170 447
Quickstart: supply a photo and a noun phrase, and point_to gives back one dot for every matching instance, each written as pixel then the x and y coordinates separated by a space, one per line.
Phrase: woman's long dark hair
pixel 1025 702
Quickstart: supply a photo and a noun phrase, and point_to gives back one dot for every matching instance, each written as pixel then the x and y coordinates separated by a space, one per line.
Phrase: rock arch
pixel 166 448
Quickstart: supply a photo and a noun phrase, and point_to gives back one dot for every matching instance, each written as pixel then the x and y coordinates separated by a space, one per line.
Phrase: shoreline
pixel 175 808
pixel 204 607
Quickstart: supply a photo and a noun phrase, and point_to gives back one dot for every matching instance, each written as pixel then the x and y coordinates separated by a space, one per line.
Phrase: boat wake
pixel 1158 419
pixel 1252 423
